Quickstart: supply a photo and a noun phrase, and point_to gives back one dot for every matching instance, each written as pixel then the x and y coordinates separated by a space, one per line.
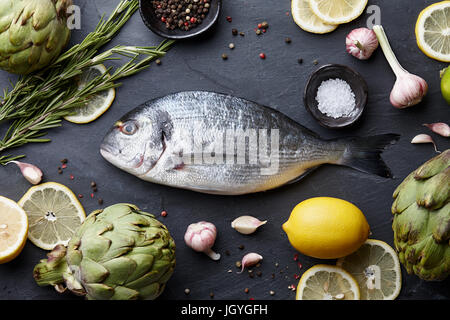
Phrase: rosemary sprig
pixel 39 102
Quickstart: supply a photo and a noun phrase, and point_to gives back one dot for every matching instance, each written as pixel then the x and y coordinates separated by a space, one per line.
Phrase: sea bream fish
pixel 220 144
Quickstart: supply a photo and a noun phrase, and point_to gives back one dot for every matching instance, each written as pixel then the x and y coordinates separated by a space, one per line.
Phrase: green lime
pixel 445 84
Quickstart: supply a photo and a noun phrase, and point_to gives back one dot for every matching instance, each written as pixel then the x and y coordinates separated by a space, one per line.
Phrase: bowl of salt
pixel 336 96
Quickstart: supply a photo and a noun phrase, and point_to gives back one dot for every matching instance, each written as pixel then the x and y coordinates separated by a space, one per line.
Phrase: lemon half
pixel 98 103
pixel 433 31
pixel 337 11
pixel 305 18
pixel 324 282
pixel 376 268
pixel 54 214
pixel 13 229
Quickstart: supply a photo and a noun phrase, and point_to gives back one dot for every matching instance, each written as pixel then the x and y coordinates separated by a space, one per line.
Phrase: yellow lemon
pixel 326 228
pixel 13 229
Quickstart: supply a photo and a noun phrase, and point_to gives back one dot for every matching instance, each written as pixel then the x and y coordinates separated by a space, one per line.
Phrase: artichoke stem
pixel 48 273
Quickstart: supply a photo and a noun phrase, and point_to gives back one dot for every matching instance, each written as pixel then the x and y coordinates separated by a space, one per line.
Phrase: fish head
pixel 134 144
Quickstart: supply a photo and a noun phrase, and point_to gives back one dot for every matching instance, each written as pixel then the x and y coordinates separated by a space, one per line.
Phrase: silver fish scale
pixel 213 114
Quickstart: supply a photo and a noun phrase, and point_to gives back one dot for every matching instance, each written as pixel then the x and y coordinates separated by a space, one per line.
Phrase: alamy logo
pixel 251 147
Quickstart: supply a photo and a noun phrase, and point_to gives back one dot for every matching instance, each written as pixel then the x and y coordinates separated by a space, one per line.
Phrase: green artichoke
pixel 422 219
pixel 32 33
pixel 119 253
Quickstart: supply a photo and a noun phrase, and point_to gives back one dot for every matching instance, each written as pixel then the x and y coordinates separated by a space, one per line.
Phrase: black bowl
pixel 157 26
pixel 335 71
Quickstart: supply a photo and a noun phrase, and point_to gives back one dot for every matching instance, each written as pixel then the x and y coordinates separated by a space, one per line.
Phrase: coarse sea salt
pixel 336 99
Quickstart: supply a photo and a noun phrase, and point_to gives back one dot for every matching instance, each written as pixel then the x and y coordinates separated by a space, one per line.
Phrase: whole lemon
pixel 326 228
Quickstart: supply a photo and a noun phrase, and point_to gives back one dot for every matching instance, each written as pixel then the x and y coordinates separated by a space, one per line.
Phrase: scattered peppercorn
pixel 164 214
pixel 300 60
pixel 92 195
pixel 272 293
pixel 93 184
pixel 60 171
pixel 158 62
pixel 100 201
pixel 234 32
pixel 262 56
pixel 187 291
pixel 258 32
pixel 64 166
pixel 227 252
pixel 95 189
pixel 238 264
pixel 315 62
pixel 229 19
pixel 295 257
pixel 259 273
pixel 264 25
pixel 211 294
pixel 288 40
pixel 246 290
pixel 251 275
pixel 230 271
pixel 80 196
pixel 224 56
pixel 242 34
pixel 71 177
pixel 64 161
pixel 241 247
pixel 231 46
pixel 273 275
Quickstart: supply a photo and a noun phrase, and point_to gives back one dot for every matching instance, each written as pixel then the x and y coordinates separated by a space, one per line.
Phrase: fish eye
pixel 128 128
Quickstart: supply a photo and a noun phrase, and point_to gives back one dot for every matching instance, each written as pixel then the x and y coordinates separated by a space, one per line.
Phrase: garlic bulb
pixel 361 43
pixel 409 89
pixel 247 224
pixel 30 172
pixel 201 237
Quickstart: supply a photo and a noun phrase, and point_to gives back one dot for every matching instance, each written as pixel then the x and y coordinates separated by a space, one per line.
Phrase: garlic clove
pixel 247 224
pixel 30 172
pixel 424 138
pixel 440 128
pixel 250 259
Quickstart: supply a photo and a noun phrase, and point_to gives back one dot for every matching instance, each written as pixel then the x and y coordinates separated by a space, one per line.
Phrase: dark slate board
pixel 278 82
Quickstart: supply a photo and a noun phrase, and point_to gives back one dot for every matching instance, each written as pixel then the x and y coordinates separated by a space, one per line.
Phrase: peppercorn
pixel 93 184
pixel 262 56
pixel 300 60
pixel 258 32
pixel 259 273
pixel 227 252
pixel 231 46
pixel 242 34
pixel 229 19
pixel 158 62
pixel 64 161
pixel 288 40
pixel 241 247
pixel 238 264
pixel 246 290
pixel 224 56
pixel 60 171
pixel 264 25
pixel 164 214
pixel 315 62
pixel 187 291
pixel 100 201
pixel 272 293
pixel 234 32
pixel 211 294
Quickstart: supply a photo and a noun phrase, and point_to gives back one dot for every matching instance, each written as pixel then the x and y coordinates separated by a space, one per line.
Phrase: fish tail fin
pixel 364 154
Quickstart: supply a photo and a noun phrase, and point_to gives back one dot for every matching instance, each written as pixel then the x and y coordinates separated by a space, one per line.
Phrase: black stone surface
pixel 278 81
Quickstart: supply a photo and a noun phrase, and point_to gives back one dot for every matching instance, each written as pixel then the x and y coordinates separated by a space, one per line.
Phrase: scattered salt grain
pixel 336 99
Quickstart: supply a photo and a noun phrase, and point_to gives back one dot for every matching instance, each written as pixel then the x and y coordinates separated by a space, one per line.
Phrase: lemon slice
pixel 305 19
pixel 54 214
pixel 324 282
pixel 376 268
pixel 13 229
pixel 337 11
pixel 433 31
pixel 98 103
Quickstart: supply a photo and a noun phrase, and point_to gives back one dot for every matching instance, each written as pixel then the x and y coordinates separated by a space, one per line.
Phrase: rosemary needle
pixel 39 102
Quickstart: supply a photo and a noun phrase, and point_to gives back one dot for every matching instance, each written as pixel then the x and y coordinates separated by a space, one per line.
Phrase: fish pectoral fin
pixel 303 175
